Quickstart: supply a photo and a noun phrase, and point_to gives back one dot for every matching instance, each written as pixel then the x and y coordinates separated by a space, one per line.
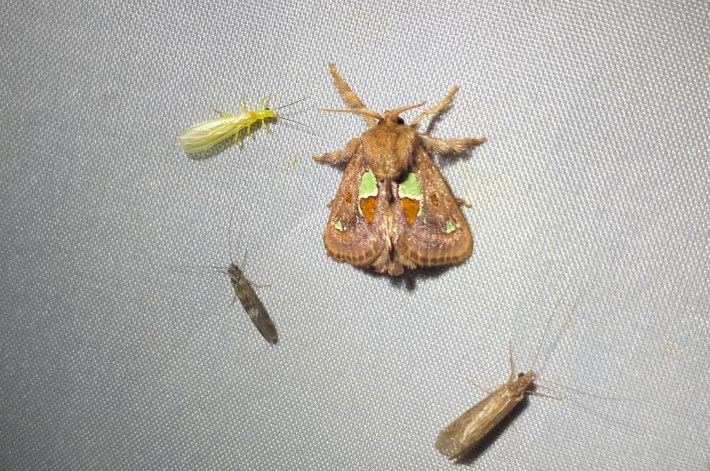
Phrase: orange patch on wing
pixel 343 235
pixel 348 199
pixel 367 207
pixel 410 208
pixel 434 199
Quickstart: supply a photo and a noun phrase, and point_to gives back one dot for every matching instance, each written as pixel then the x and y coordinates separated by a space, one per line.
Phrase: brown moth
pixel 393 208
pixel 244 291
pixel 457 439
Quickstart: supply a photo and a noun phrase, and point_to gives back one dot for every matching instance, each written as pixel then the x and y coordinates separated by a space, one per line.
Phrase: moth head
pixel 390 145
pixel 389 117
pixel 392 116
pixel 527 377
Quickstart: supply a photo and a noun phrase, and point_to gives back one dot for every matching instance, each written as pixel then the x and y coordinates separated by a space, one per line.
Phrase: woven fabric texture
pixel 119 348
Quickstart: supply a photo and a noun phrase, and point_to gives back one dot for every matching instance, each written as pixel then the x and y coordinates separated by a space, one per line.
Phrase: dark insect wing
pixel 261 319
pixel 255 309
pixel 432 230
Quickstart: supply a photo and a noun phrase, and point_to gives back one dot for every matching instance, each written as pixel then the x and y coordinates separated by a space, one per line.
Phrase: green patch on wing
pixel 450 226
pixel 409 188
pixel 368 185
pixel 338 224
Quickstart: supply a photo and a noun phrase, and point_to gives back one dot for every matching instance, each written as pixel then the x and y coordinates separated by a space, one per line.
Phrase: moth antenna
pixel 347 95
pixel 397 111
pixel 292 103
pixel 360 111
pixel 437 108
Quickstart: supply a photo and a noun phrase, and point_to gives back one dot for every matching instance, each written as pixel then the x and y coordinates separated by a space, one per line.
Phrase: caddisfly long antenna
pixel 229 249
pixel 544 333
pixel 584 393
pixel 229 237
pixel 547 327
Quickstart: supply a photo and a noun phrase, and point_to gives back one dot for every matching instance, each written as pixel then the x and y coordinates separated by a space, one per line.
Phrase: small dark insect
pixel 244 291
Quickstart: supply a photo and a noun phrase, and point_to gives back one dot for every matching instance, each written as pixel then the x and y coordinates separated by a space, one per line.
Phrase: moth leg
pixel 436 109
pixel 347 95
pixel 451 146
pixel 341 156
pixel 336 157
pixel 485 390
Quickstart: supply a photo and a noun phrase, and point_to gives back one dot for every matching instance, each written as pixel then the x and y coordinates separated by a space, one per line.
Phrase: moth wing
pixel 348 236
pixel 208 133
pixel 244 291
pixel 438 233
pixel 261 319
pixel 453 441
pixel 459 437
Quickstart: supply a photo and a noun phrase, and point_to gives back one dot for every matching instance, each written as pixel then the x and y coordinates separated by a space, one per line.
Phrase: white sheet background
pixel 119 348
